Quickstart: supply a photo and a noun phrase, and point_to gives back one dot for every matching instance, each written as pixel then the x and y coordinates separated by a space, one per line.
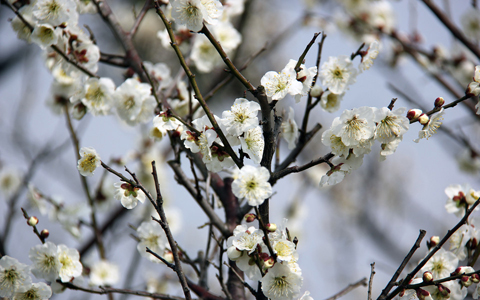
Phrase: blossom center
pixel 280 287
pixel 88 163
pixel 129 103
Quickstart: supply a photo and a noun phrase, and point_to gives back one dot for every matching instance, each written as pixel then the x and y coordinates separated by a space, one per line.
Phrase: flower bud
pixel 79 110
pixel 413 113
pixel 444 291
pixel 465 281
pixel 423 119
pixel 44 233
pixel 250 217
pixel 475 278
pixel 168 256
pixel 422 294
pixel 32 221
pixel 272 227
pixel 439 102
pixel 427 276
pixel 268 263
pixel 462 270
pixel 434 240
pixel 316 91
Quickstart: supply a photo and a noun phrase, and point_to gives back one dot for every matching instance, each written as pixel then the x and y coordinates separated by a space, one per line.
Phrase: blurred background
pixel 374 215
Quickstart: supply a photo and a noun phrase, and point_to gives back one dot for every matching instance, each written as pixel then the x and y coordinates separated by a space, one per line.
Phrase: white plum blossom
pixel 330 102
pixel 89 161
pixel 245 238
pixel 151 235
pixel 335 142
pixel 23 31
pixel 253 144
pixel 341 167
pixel 13 276
pixel 97 95
pixel 160 73
pixel 192 13
pixel 389 148
pixel 44 35
pixel 278 85
pixel 284 249
pixel 69 216
pixel 289 129
pixel 55 12
pixel 104 273
pixel 46 263
pixel 355 125
pixel 441 264
pixel 471 24
pixel 337 73
pixel 305 76
pixel 86 7
pixel 36 291
pixel 202 140
pixel 369 57
pixel 10 180
pixel 280 283
pixel 164 122
pixel 70 260
pixel 132 100
pixel 252 184
pixel 431 127
pixel 459 196
pixel 241 117
pixel 391 125
pixel 128 195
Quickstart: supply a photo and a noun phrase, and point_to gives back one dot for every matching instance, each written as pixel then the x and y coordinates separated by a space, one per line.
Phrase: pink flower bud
pixel 443 290
pixel 434 240
pixel 413 113
pixel 250 217
pixel 32 221
pixel 427 276
pixel 465 281
pixel 272 227
pixel 268 263
pixel 439 102
pixel 422 294
pixel 423 119
pixel 475 278
pixel 44 233
pixel 462 270
pixel 473 89
pixel 302 75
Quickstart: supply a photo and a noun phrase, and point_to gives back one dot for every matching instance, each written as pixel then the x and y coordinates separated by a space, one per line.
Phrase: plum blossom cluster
pixel 49 262
pixel 353 134
pixel 279 273
pixel 240 126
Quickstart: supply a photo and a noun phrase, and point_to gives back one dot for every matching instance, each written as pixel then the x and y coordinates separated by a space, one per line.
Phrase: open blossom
pixel 355 125
pixel 45 261
pixel 280 283
pixel 55 12
pixel 337 73
pixel 132 100
pixel 459 196
pixel 10 180
pixel 128 195
pixel 471 24
pixel 44 35
pixel 97 95
pixel 152 236
pixel 104 273
pixel 278 85
pixel 252 184
pixel 13 276
pixel 88 162
pixel 70 260
pixel 305 76
pixel 253 144
pixel 441 264
pixel 192 13
pixel 390 124
pixel 164 122
pixel 241 117
pixel 431 127
pixel 36 291
pixel 330 102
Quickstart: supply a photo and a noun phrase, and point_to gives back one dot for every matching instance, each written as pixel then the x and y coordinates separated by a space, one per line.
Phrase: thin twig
pixel 245 284
pixel 302 57
pixel 370 281
pixel 349 288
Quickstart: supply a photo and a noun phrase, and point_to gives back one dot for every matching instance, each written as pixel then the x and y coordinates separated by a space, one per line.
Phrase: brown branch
pixel 147 6
pixel 456 32
pixel 108 290
pixel 432 252
pixel 370 281
pixel 402 266
pixel 171 241
pixel 302 57
pixel 295 169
